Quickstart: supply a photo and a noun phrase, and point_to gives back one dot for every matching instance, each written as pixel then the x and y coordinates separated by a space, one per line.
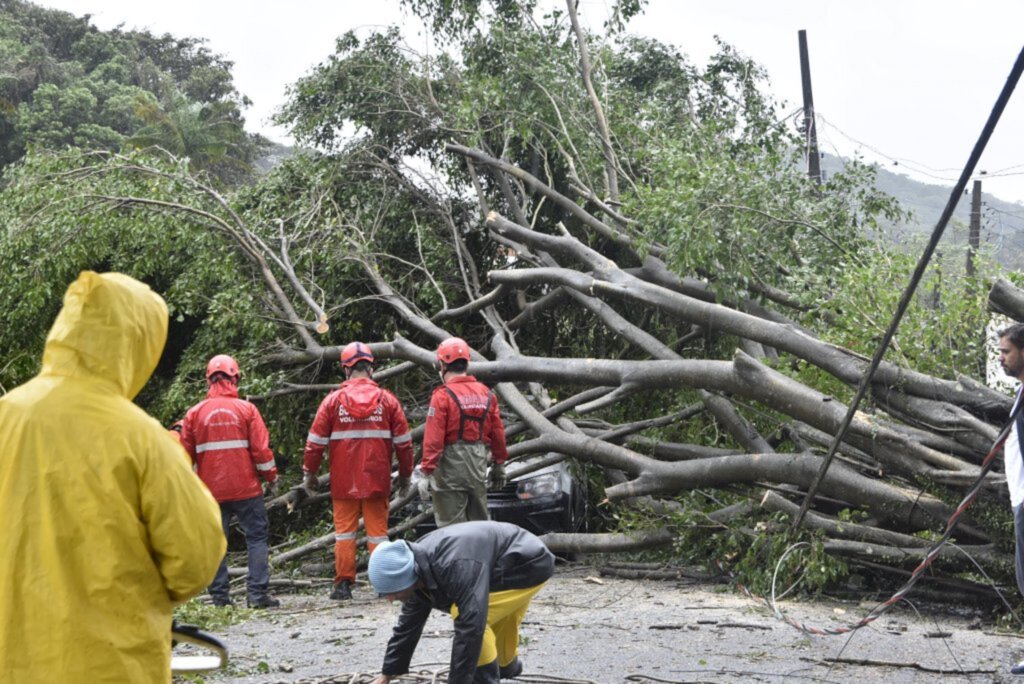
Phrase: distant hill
pixel 1002 223
pixel 273 154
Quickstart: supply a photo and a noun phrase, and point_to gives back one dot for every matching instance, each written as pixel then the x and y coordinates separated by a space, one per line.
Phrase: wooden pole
pixel 973 245
pixel 974 234
pixel 810 132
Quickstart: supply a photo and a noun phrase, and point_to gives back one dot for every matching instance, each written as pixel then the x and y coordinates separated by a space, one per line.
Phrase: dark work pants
pixel 1018 535
pixel 252 517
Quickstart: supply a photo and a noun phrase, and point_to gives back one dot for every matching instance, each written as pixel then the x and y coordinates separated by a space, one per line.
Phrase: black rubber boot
pixel 342 591
pixel 487 674
pixel 265 602
pixel 513 669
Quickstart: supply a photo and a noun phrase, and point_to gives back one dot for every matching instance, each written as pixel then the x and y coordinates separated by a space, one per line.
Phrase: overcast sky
pixel 908 83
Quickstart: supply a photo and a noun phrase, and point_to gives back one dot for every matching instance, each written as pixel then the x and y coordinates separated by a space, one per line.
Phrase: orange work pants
pixel 346 524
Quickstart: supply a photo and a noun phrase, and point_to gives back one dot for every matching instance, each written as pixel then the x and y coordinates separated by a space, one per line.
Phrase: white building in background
pixel 994 375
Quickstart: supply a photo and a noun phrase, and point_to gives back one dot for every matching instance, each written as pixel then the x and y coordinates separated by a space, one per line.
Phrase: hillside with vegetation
pixel 1002 222
pixel 68 84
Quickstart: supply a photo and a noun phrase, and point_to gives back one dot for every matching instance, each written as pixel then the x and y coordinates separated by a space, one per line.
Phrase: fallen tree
pixel 690 341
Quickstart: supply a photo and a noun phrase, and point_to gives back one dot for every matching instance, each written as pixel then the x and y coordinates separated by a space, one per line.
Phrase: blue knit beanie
pixel 392 567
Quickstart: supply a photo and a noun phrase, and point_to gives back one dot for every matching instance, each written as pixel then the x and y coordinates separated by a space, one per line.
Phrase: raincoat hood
pixel 360 397
pixel 111 327
pixel 107 526
pixel 222 388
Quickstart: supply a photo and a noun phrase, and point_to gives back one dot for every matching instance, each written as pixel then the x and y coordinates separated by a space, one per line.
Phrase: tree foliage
pixel 69 84
pixel 72 227
pixel 711 168
pixel 612 217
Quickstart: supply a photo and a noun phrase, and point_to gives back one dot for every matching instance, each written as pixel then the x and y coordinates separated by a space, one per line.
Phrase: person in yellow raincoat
pixel 105 528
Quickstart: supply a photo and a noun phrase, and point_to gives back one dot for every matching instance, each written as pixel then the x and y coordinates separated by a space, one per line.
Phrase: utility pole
pixel 974 234
pixel 973 245
pixel 810 132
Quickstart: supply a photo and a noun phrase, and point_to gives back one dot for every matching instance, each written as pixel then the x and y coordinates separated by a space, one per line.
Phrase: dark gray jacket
pixel 461 564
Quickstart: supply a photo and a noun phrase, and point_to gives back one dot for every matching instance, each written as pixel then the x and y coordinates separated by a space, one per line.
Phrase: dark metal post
pixel 810 132
pixel 973 245
pixel 974 234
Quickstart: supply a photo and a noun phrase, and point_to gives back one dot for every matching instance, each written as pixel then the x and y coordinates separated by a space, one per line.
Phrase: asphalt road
pixel 582 627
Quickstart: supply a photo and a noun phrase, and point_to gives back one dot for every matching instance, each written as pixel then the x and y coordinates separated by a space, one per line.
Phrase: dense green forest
pixel 625 237
pixel 68 84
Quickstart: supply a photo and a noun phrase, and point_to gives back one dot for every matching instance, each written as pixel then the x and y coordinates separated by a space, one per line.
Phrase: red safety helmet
pixel 452 349
pixel 354 352
pixel 222 363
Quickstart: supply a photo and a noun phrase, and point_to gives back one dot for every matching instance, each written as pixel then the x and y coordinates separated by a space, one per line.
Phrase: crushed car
pixel 549 499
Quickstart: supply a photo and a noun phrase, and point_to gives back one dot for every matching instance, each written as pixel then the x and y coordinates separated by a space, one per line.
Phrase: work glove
pixel 496 478
pixel 403 486
pixel 272 489
pixel 421 482
pixel 309 482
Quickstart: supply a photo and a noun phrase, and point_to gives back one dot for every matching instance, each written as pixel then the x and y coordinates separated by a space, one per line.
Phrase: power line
pixel 1003 212
pixel 918 167
pixel 922 169
pixel 901 307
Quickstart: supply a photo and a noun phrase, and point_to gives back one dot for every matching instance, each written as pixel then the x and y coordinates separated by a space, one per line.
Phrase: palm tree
pixel 204 133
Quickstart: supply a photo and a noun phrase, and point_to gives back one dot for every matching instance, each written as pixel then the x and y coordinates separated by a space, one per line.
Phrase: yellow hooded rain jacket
pixel 105 528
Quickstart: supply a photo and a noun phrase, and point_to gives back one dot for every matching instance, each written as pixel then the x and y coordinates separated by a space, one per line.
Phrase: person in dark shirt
pixel 484 574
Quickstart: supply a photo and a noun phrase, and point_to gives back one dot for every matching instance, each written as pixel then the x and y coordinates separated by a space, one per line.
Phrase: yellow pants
pixel 505 612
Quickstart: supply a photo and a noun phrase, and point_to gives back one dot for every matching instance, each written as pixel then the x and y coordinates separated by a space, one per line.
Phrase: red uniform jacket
pixel 362 423
pixel 445 416
pixel 228 442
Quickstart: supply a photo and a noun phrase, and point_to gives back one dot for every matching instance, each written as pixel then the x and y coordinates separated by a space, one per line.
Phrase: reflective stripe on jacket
pixel 461 565
pixel 362 424
pixel 106 527
pixel 444 419
pixel 228 441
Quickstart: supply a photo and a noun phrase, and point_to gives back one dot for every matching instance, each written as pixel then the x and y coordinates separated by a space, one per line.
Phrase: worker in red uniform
pixel 228 442
pixel 175 430
pixel 360 424
pixel 463 435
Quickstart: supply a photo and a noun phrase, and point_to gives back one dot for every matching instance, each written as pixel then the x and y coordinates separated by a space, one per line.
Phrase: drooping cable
pixel 928 559
pixel 908 293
